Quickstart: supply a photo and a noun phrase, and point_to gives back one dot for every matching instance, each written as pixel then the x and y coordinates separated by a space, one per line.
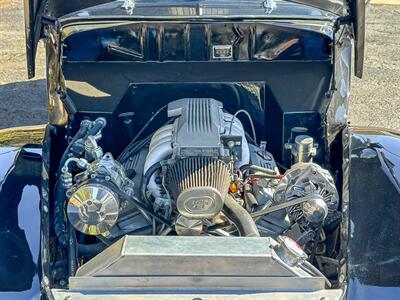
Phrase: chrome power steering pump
pixel 93 193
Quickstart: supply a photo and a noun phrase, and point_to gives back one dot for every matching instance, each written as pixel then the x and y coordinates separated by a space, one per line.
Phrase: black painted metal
pixel 178 8
pixel 373 184
pixel 196 41
pixel 358 11
pixel 20 263
pixel 39 13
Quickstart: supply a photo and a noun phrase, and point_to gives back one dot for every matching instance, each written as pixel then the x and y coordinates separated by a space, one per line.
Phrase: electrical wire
pixel 249 138
pixel 134 146
pixel 148 122
pixel 126 152
pixel 315 246
pixel 250 120
pixel 134 149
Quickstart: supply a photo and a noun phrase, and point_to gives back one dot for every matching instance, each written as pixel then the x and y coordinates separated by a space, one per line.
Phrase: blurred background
pixel 374 101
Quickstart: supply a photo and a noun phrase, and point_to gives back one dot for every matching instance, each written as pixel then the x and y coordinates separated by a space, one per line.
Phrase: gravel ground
pixel 375 100
pixel 22 102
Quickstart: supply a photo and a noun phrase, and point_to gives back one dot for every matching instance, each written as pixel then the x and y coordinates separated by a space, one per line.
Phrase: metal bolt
pixel 231 144
pixel 288 146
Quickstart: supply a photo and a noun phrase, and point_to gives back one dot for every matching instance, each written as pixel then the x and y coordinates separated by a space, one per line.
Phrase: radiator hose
pixel 240 217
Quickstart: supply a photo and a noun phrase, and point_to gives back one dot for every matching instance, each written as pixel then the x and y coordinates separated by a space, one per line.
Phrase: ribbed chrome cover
pixel 199 116
pixel 200 185
pixel 198 127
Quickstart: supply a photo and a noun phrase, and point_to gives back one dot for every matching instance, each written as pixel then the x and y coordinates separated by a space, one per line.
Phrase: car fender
pixel 20 195
pixel 371 212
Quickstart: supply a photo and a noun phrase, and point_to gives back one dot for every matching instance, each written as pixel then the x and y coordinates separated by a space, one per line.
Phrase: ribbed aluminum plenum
pixel 198 172
pixel 199 119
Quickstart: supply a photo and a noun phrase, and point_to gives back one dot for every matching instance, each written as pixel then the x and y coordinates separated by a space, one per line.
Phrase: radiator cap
pixel 289 251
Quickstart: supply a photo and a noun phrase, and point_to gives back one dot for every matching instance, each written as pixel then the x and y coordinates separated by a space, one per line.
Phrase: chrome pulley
pixel 93 209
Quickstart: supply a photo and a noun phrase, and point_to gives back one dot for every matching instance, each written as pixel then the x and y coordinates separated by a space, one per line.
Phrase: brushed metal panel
pixel 189 256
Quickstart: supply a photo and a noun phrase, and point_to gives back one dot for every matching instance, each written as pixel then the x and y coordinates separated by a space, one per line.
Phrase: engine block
pixel 201 129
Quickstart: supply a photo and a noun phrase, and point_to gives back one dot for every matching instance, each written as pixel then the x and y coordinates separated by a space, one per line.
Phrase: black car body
pixel 113 68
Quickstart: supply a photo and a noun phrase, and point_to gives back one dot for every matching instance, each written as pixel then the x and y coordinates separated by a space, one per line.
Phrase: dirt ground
pixel 375 100
pixel 22 101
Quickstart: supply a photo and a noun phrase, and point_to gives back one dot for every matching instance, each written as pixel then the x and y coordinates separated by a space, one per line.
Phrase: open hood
pixel 39 12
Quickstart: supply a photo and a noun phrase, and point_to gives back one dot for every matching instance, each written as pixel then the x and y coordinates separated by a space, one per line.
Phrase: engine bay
pixel 200 174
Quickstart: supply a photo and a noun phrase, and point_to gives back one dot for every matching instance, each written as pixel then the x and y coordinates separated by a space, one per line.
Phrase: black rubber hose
pixel 68 103
pixel 240 217
pixel 91 249
pixel 59 216
pixel 99 124
pixel 246 167
pixel 72 255
pixel 81 133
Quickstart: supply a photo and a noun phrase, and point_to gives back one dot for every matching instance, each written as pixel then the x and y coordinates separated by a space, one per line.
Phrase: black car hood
pixel 38 12
pixel 58 8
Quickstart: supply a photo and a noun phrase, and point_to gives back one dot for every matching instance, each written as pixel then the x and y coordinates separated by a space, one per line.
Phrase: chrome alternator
pixel 308 180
